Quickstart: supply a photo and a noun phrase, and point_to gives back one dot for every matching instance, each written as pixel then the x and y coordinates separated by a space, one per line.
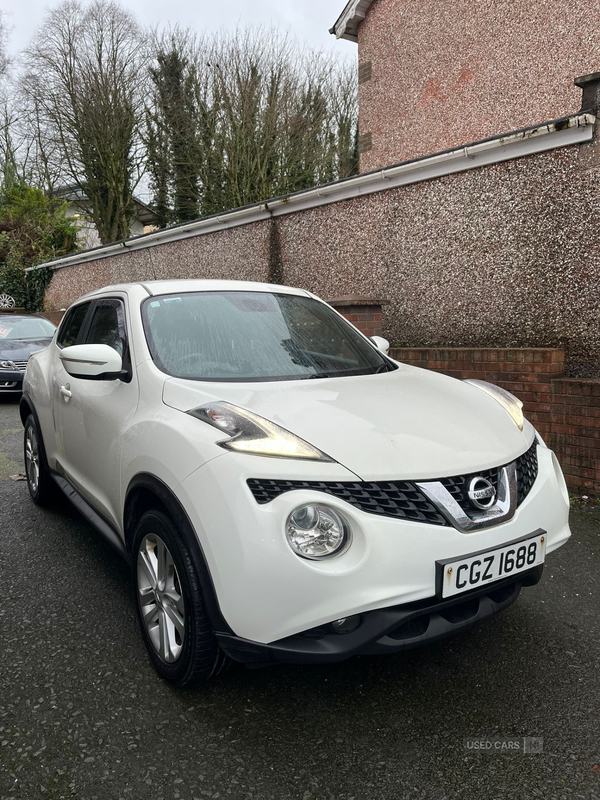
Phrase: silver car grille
pixel 20 365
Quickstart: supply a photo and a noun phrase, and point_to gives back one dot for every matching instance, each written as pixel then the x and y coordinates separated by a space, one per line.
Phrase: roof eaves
pixel 346 26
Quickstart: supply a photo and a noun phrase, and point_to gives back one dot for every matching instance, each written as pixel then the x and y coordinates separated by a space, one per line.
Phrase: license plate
pixel 474 571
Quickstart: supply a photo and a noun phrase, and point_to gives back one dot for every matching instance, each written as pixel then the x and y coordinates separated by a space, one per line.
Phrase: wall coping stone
pixel 495 349
pixel 590 381
pixel 356 300
pixel 583 80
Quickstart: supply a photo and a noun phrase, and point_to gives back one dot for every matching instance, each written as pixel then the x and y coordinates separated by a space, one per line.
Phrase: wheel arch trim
pixel 150 483
pixel 27 403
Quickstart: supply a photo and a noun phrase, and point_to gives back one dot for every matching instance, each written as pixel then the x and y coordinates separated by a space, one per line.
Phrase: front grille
pixel 397 499
pixel 459 487
pixel 402 499
pixel 527 471
pixel 21 366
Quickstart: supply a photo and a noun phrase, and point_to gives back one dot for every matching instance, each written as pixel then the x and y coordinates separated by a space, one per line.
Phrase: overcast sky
pixel 308 20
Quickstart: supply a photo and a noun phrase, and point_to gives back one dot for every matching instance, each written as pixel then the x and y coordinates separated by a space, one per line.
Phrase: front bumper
pixel 386 630
pixel 11 381
pixel 266 593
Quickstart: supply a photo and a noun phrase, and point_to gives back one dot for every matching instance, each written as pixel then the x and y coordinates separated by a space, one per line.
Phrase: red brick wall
pixel 575 436
pixel 566 411
pixel 438 74
pixel 363 312
pixel 53 316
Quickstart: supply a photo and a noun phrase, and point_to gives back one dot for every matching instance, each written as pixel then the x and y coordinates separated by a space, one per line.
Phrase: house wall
pixel 437 74
pixel 502 256
pixel 88 233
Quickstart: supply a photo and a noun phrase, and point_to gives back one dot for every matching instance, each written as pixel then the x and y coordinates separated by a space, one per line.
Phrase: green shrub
pixel 33 229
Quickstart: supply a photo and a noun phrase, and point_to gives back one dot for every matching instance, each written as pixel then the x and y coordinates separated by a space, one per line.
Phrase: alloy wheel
pixel 160 598
pixel 32 459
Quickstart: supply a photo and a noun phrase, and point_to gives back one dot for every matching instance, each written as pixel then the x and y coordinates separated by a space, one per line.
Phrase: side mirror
pixel 381 344
pixel 92 361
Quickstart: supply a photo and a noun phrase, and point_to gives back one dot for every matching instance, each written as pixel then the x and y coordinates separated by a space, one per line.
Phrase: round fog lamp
pixel 346 624
pixel 315 531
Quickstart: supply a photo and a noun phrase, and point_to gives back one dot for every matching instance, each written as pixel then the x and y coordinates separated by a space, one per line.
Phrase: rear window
pixel 26 328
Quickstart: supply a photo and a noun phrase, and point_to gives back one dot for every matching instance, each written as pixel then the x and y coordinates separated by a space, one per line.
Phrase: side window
pixel 108 326
pixel 71 327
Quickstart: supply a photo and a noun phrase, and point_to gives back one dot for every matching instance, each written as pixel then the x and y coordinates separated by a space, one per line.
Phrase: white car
pixel 283 489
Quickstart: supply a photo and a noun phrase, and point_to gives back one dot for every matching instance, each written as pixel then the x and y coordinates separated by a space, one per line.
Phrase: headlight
pixel 316 531
pixel 255 435
pixel 7 365
pixel 511 404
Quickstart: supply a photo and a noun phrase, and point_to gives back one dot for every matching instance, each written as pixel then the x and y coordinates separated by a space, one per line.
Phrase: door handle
pixel 66 393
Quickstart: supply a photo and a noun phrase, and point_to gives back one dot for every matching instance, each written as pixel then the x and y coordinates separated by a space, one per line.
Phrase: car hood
pixel 407 424
pixel 21 349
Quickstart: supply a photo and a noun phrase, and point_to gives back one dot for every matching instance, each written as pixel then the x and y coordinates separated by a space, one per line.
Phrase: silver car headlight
pixel 249 433
pixel 511 404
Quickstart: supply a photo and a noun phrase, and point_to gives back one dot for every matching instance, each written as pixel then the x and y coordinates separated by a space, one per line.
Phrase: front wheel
pixel 36 469
pixel 170 605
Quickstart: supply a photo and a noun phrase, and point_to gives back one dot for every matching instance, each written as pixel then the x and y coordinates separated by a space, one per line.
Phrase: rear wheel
pixel 170 605
pixel 36 469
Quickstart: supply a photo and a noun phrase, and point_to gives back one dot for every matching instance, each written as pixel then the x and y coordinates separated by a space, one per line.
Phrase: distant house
pixel 436 75
pixel 143 221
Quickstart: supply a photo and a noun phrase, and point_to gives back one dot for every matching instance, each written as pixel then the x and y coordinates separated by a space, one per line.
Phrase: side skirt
pixel 92 516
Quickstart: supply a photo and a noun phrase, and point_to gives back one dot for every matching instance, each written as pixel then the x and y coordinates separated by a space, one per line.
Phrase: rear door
pixel 94 415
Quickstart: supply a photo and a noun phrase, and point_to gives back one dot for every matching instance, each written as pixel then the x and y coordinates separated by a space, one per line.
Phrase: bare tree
pixel 238 118
pixel 84 80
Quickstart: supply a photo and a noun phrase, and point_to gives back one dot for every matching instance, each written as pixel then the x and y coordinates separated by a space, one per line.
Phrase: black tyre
pixel 39 481
pixel 170 605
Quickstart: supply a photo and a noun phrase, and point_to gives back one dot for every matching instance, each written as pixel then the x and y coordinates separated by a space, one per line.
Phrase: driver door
pixel 93 415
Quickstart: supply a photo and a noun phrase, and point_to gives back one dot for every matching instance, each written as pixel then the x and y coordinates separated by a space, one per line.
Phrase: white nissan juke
pixel 283 489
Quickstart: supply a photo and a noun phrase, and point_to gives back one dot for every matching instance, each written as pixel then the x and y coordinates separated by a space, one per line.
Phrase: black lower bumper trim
pixel 386 630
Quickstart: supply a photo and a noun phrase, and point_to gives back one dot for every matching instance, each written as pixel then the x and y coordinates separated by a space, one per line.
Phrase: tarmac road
pixel 82 713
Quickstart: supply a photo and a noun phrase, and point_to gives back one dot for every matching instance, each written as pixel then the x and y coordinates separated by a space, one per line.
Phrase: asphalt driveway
pixel 82 713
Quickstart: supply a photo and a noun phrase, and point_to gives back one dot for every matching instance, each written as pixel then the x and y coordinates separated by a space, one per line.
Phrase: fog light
pixel 346 624
pixel 315 531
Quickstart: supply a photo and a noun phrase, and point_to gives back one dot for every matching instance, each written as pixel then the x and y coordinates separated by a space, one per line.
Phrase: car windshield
pixel 25 328
pixel 254 336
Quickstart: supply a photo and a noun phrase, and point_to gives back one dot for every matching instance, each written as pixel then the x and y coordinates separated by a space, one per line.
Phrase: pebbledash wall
pixel 494 245
pixel 434 74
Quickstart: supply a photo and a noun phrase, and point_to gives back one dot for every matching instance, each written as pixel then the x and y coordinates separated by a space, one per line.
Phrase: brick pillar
pixel 365 313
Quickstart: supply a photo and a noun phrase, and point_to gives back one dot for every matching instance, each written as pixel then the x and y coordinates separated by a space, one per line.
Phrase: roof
pixel 75 194
pixel 347 24
pixel 154 288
